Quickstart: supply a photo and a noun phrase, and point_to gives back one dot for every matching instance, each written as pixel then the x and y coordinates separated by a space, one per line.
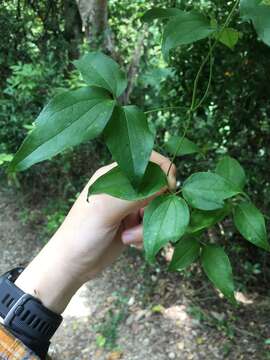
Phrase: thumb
pixel 169 169
pixel 114 209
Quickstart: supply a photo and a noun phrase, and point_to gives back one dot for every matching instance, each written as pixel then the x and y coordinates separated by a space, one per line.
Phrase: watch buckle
pixel 16 309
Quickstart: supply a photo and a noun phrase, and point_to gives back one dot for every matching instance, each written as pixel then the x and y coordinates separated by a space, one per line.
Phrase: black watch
pixel 24 314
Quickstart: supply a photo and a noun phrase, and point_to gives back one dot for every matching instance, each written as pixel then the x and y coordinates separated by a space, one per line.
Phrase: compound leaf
pixel 184 29
pixel 185 253
pixel 231 170
pixel 186 146
pixel 259 13
pixel 130 141
pixel 200 220
pixel 5 158
pixel 159 13
pixel 229 37
pixel 217 267
pixel 165 219
pixel 250 222
pixel 100 70
pixel 207 191
pixel 116 183
pixel 69 119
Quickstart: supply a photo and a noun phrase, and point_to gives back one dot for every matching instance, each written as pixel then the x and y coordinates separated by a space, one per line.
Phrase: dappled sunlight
pixel 178 314
pixel 79 305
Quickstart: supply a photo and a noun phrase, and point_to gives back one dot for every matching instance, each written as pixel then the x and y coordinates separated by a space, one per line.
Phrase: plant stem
pixel 245 195
pixel 178 191
pixel 202 242
pixel 209 80
pixel 180 141
pixel 193 106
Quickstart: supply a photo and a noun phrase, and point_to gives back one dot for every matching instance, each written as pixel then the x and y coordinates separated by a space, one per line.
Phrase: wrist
pixel 52 277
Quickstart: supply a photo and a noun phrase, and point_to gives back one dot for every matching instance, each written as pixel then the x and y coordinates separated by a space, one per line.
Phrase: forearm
pixel 51 276
pixel 91 238
pixel 79 250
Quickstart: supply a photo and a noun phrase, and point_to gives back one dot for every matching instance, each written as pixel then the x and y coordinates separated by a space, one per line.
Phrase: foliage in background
pixel 237 123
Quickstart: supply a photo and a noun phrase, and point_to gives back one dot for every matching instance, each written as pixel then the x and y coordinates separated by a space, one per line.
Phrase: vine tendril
pixel 194 106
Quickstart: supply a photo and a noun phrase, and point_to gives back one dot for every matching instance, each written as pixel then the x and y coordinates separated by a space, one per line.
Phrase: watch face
pixel 13 274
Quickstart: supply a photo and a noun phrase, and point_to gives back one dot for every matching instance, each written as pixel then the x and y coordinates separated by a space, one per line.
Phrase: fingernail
pixel 128 237
pixel 172 182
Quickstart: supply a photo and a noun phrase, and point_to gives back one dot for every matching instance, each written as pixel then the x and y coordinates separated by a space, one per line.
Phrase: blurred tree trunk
pixel 134 66
pixel 73 28
pixel 94 15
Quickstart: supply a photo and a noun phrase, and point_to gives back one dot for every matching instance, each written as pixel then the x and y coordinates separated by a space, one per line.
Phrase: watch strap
pixel 25 314
pixel 9 294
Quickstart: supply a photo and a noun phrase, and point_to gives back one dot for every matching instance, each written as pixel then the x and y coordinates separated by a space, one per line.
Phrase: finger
pixel 133 235
pixel 137 246
pixel 166 165
pixel 169 169
pixel 132 220
pixel 101 171
pixel 162 161
pixel 117 209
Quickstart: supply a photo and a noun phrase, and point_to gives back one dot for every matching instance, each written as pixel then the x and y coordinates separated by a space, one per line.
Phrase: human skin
pixel 92 236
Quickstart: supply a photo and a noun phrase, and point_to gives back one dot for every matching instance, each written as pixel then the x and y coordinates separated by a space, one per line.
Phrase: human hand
pixel 92 236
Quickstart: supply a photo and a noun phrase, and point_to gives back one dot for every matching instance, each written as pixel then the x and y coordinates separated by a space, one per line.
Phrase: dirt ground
pixel 134 312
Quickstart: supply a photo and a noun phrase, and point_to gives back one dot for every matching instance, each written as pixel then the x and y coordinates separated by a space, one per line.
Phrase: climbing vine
pixel 205 198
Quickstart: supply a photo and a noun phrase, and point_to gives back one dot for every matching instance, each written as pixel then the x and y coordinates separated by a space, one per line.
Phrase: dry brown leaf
pixel 115 355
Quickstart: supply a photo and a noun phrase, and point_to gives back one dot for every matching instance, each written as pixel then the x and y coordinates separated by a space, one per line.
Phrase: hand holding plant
pixel 205 198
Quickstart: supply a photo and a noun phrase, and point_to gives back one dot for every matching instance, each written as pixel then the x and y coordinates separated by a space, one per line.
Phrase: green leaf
pixel 5 158
pixel 165 219
pixel 201 220
pixel 229 37
pixel 207 191
pixel 100 70
pixel 250 222
pixel 185 253
pixel 100 340
pixel 187 146
pixel 217 267
pixel 231 170
pixel 68 119
pixel 130 141
pixel 184 29
pixel 115 183
pixel 159 13
pixel 259 14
